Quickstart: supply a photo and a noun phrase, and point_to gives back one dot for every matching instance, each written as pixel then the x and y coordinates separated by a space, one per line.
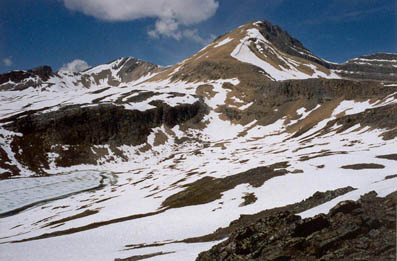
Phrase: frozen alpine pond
pixel 20 193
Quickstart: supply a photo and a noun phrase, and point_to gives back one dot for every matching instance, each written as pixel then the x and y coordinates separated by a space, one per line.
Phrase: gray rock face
pixel 79 128
pixel 351 231
pixel 380 66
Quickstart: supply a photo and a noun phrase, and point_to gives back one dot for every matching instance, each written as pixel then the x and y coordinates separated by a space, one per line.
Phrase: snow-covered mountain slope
pixel 129 159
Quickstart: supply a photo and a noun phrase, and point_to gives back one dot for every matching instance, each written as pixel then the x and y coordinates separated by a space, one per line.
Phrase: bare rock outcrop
pixel 361 230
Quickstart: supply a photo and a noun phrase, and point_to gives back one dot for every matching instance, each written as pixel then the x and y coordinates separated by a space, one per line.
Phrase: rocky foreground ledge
pixel 352 230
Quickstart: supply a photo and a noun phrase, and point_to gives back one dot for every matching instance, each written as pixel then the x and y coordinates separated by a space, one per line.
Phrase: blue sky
pixel 56 32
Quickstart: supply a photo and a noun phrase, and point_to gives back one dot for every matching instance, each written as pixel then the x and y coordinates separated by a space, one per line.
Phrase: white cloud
pixel 75 66
pixel 184 11
pixel 170 14
pixel 7 61
pixel 167 27
pixel 194 36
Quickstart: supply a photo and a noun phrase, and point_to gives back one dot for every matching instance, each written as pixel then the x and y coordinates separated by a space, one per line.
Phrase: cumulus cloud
pixel 7 61
pixel 75 66
pixel 167 27
pixel 170 14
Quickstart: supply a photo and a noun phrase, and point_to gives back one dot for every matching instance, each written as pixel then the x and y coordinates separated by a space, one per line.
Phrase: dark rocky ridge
pixel 361 230
pixel 308 93
pixel 43 72
pixel 286 43
pixel 81 127
pixel 316 199
pixel 39 75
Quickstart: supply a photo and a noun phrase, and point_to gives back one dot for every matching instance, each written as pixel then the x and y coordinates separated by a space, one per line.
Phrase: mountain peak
pixel 260 51
pixel 285 42
pixel 256 50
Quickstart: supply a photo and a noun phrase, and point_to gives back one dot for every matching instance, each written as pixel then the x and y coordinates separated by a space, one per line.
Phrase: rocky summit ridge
pixel 252 124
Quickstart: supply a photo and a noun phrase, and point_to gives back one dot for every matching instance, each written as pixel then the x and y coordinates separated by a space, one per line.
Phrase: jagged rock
pixel 362 230
pixel 344 207
pixel 308 226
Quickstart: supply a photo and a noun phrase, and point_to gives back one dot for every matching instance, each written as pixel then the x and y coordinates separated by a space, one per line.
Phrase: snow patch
pixel 223 42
